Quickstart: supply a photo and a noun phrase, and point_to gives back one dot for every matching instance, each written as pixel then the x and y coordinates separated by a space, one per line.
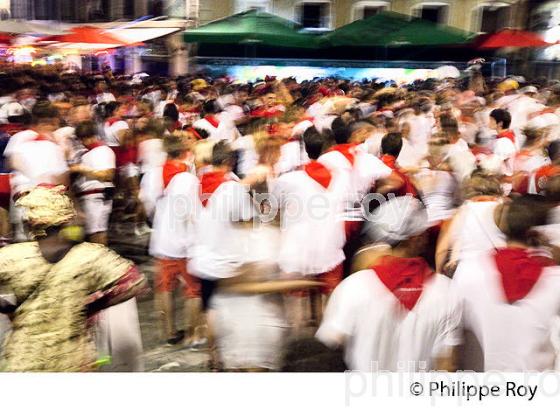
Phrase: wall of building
pixel 461 13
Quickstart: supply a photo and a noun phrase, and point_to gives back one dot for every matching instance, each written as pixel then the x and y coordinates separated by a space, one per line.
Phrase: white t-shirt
pixel 112 132
pixel 380 334
pixel 474 231
pixel 505 149
pixel 247 154
pixel 514 337
pixel 39 162
pixel 219 250
pixel 312 232
pixel 292 156
pixel 151 154
pixel 175 217
pixel 100 158
pixel 363 175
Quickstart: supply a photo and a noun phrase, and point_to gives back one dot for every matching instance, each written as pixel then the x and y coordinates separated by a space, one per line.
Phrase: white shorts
pixel 97 211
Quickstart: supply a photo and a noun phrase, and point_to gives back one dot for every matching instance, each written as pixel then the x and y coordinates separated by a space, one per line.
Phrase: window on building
pixel 261 5
pixel 433 13
pixel 157 8
pixel 494 18
pixel 128 9
pixel 370 11
pixel 314 15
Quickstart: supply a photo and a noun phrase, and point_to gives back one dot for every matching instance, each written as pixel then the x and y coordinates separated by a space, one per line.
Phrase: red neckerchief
pixel 214 122
pixel 172 168
pixel 404 277
pixel 113 120
pixel 195 133
pixel 93 145
pixel 209 182
pixel 41 137
pixel 408 186
pixel 483 198
pixel 519 269
pixel 478 150
pixel 548 110
pixel 345 149
pixel 319 173
pixel 507 134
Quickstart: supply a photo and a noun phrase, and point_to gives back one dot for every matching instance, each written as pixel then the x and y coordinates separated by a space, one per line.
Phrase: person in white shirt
pixel 311 201
pixel 394 313
pixel 218 253
pixel 218 125
pixel 35 158
pixel 473 229
pixel 505 145
pixel 94 186
pixel 173 235
pixel 511 295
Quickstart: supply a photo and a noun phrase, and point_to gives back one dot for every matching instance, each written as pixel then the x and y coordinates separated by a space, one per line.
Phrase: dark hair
pixel 341 131
pixel 553 150
pixel 174 146
pixel 110 108
pixel 203 133
pixel 222 154
pixel 44 110
pixel 170 111
pixel 314 142
pixel 391 144
pixel 86 129
pixel 449 124
pixel 210 107
pixel 524 213
pixel 501 116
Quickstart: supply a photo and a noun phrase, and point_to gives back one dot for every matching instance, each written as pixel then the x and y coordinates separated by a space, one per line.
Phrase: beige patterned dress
pixel 49 329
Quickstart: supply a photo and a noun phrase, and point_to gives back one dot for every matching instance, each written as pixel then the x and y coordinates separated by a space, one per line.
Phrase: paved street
pixel 304 353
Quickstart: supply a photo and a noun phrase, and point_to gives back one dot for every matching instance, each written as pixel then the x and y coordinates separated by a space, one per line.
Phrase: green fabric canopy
pixel 252 27
pixel 388 29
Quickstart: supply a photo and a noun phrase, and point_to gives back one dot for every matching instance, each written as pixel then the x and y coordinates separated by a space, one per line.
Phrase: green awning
pixel 252 27
pixel 388 29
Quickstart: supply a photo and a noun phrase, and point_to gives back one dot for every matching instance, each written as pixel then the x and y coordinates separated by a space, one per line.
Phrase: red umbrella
pixel 87 35
pixel 510 38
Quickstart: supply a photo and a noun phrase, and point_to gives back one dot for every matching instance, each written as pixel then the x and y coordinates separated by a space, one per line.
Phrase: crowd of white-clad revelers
pixel 424 180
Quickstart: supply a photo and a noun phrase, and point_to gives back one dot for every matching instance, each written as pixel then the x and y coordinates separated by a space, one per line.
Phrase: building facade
pixel 472 15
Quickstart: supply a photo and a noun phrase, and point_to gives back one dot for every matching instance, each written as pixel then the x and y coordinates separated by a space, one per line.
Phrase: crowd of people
pixel 409 226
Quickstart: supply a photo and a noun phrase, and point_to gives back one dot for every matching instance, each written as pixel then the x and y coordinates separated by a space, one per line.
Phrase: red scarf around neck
pixel 347 150
pixel 214 122
pixel 210 182
pixel 319 173
pixel 407 187
pixel 172 168
pixel 113 120
pixel 41 137
pixel 404 277
pixel 520 269
pixel 93 145
pixel 507 134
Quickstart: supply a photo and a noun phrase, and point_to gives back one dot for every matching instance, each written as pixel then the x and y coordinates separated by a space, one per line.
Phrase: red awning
pixel 510 38
pixel 86 34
